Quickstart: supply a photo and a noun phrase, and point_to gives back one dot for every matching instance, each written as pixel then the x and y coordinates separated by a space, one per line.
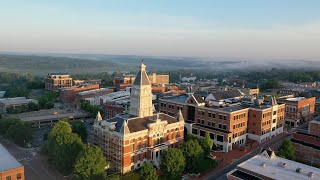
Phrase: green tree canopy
pixel 173 162
pixel 90 164
pixel 64 146
pixel 148 172
pixel 193 153
pixel 6 123
pixel 287 150
pixel 79 128
pixel 20 133
pixel 207 144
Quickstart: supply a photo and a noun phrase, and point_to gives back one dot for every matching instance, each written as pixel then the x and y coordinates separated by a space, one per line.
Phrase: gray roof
pixel 58 73
pixel 7 161
pixel 16 100
pixel 136 124
pixel 199 98
pixel 226 94
pixel 141 79
pixel 181 98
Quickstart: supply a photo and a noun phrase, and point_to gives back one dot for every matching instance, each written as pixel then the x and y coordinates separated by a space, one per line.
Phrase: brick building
pixel 132 139
pixel 55 81
pixel 81 96
pixel 299 110
pixel 10 168
pixel 124 81
pixel 229 125
pixel 112 110
pixel 307 144
pixel 68 95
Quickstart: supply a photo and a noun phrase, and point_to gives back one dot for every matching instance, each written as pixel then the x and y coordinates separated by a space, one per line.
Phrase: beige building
pixel 132 139
pixel 55 81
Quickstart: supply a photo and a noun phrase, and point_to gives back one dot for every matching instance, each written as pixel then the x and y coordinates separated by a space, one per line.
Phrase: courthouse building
pixel 130 140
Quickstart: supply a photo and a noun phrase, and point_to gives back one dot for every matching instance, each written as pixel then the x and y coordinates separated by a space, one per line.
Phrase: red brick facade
pixel 14 174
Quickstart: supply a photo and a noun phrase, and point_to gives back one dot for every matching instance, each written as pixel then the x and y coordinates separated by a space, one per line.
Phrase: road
pixel 273 143
pixel 35 165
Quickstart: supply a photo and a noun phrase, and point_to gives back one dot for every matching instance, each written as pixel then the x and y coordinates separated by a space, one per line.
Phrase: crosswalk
pixel 24 159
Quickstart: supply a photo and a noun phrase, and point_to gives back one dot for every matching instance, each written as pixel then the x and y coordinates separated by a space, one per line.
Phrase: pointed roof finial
pixel 98 117
pixel 180 116
pixel 141 60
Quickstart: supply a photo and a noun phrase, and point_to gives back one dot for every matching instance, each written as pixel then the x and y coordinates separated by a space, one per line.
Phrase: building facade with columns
pixel 132 139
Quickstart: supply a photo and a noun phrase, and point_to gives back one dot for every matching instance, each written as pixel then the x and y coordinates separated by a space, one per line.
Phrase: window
pixel 213 124
pixel 209 123
pixel 19 176
pixel 224 127
pixel 209 114
pixel 220 116
pixel 211 135
pixel 213 115
pixel 219 138
pixel 220 126
pixel 274 120
pixel 132 159
pixel 194 131
pixel 199 121
pixel 274 112
pixel 224 117
pixel 161 104
pixel 178 108
pixel 202 133
pixel 234 126
pixel 202 121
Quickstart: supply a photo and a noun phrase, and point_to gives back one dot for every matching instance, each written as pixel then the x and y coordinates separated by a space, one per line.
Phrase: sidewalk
pixel 234 156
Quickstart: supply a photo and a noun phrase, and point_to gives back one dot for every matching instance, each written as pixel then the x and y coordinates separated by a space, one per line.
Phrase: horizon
pixel 246 30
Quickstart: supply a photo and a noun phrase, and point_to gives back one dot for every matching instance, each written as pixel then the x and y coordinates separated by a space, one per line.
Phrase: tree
pixel 148 172
pixel 207 144
pixel 20 133
pixel 173 162
pixel 193 153
pixel 287 150
pixel 32 106
pixel 79 128
pixel 90 163
pixel 63 146
pixel 5 124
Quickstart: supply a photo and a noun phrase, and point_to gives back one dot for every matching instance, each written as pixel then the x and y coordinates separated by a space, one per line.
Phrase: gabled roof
pixel 226 94
pixel 136 124
pixel 199 98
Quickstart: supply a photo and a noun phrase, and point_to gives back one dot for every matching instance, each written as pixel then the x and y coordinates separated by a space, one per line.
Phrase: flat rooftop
pixel 181 98
pixel 296 99
pixel 7 161
pixel 93 91
pixel 16 100
pixel 50 114
pixel 273 170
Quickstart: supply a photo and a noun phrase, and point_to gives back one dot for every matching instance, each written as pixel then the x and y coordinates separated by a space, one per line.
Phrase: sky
pixel 230 29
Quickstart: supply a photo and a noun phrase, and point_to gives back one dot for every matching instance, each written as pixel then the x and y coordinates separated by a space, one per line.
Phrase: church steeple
pixel 141 96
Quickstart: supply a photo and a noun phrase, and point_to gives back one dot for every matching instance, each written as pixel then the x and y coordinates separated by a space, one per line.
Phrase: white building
pixel 267 165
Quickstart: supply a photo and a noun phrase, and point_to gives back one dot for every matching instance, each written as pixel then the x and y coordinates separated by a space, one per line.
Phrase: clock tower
pixel 141 95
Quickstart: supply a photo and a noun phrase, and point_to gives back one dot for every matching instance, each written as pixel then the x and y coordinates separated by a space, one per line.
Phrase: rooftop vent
pixel 310 174
pixel 299 170
pixel 263 164
pixel 282 164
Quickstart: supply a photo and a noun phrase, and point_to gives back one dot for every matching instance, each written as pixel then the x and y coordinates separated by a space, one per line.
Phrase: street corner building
pixel 132 139
pixel 10 168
